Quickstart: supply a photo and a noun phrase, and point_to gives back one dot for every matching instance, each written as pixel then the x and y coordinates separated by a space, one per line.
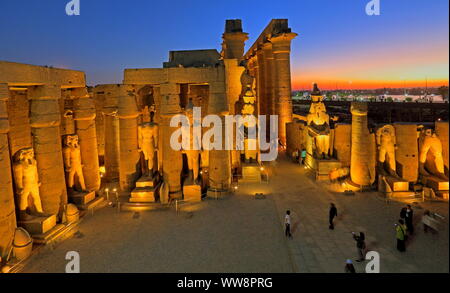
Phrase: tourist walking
pixel 349 268
pixel 401 229
pixel 287 224
pixel 403 213
pixel 332 215
pixel 409 216
pixel 303 156
pixel 360 245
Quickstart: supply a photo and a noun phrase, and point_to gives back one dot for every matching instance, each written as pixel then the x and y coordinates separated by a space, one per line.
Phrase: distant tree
pixel 443 91
pixel 408 99
pixel 389 99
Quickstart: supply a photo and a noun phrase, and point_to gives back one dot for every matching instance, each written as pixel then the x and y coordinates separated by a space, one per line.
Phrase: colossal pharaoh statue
pixel 72 161
pixel 27 182
pixel 319 125
pixel 430 144
pixel 386 143
pixel 148 141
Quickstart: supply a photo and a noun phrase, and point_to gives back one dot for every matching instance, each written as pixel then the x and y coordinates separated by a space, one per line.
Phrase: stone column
pixel 233 39
pixel 361 156
pixel 172 160
pixel 261 86
pixel 129 166
pixel 269 77
pixel 45 119
pixel 112 149
pixel 84 116
pixel 7 210
pixel 219 160
pixel 281 45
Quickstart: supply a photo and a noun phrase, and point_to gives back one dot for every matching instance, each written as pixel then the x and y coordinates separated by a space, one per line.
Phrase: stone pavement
pixel 239 233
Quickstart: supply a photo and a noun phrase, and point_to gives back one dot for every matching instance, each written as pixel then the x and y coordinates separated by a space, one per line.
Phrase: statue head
pixel 71 140
pixel 25 155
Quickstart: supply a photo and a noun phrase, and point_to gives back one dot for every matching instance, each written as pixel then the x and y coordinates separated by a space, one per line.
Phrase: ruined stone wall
pixel 20 130
pixel 295 136
pixel 342 143
pixel 407 152
pixel 442 132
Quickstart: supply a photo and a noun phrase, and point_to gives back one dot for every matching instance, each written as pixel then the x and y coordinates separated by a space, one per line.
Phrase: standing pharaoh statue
pixel 27 182
pixel 319 124
pixel 148 141
pixel 430 144
pixel 386 143
pixel 193 152
pixel 72 162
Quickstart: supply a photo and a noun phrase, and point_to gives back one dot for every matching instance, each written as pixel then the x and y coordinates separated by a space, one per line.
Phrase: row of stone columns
pixel 272 69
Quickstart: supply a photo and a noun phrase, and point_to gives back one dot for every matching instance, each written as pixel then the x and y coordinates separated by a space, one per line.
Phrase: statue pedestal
pixel 250 173
pixel 192 192
pixel 437 184
pixel 144 191
pixel 39 225
pixel 323 168
pixel 85 200
pixel 397 184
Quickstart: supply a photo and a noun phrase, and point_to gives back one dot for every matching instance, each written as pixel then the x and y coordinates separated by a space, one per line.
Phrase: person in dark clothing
pixel 360 245
pixel 349 268
pixel 409 219
pixel 287 223
pixel 403 213
pixel 333 214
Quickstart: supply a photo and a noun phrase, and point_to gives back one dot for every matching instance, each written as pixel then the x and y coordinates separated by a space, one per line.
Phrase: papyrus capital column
pixel 233 39
pixel 361 148
pixel 128 113
pixel 219 160
pixel 269 77
pixel 281 46
pixel 84 116
pixel 45 119
pixel 7 210
pixel 172 162
pixel 112 137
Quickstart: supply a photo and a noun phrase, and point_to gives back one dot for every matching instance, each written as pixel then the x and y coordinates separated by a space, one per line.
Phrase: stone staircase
pixel 144 191
pixel 250 173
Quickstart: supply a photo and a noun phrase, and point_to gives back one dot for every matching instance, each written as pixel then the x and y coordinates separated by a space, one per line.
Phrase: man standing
pixel 333 213
pixel 409 219
pixel 360 245
pixel 287 223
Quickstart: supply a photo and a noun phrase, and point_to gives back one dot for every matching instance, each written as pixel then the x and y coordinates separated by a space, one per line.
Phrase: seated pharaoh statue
pixel 319 125
pixel 430 149
pixel 386 144
pixel 27 184
pixel 148 141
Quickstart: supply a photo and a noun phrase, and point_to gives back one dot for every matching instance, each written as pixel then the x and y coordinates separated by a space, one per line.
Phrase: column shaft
pixel 7 210
pixel 45 120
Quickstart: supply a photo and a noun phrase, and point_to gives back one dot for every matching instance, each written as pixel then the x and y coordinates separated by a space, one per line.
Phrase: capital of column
pixel 4 96
pixel 236 36
pixel 127 107
pixel 359 108
pixel 84 106
pixel 281 43
pixel 44 106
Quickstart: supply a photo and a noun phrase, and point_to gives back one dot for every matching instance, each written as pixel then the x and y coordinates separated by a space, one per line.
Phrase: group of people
pixel 404 227
pixel 299 156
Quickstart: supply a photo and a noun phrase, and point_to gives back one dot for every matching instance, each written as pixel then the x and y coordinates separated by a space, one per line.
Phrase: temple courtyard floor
pixel 239 233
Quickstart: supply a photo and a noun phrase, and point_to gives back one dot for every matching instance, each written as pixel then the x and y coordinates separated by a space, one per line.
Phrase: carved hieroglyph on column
pixel 361 169
pixel 84 116
pixel 7 211
pixel 128 131
pixel 45 118
pixel 219 160
pixel 72 162
pixel 281 45
pixel 172 161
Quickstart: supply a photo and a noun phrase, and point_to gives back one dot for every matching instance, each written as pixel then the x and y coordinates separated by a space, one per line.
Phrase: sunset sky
pixel 338 44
